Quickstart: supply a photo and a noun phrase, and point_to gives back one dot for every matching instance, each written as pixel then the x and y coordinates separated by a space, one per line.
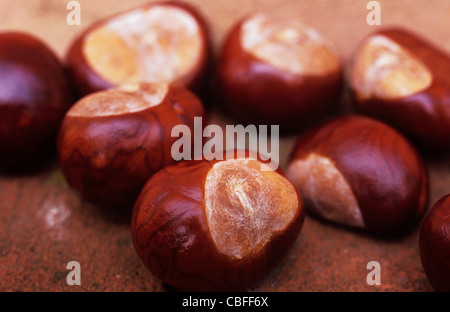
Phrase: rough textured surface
pixel 44 224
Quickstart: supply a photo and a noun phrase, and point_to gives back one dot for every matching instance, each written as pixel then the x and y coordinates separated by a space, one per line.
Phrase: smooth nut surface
pixel 111 142
pixel 359 172
pixel 384 69
pixel 216 225
pixel 402 79
pixel 277 71
pixel 240 205
pixel 143 46
pixel 288 45
pixel 35 94
pixel 434 245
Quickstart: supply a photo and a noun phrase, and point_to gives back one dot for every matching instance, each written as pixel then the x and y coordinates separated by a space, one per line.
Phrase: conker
pixel 34 96
pixel 215 225
pixel 277 71
pixel 403 80
pixel 112 141
pixel 157 42
pixel 434 245
pixel 360 173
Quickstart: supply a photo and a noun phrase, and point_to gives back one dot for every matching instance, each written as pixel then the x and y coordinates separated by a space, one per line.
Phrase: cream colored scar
pixel 384 69
pixel 326 189
pixel 288 45
pixel 245 205
pixel 129 98
pixel 157 44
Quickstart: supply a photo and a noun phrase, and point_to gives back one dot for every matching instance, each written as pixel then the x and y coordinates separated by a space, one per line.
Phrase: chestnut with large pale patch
pixel 215 225
pixel 360 173
pixel 403 80
pixel 111 142
pixel 159 42
pixel 275 70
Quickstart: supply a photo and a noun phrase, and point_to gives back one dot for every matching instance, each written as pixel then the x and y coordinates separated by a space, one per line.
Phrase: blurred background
pixel 342 21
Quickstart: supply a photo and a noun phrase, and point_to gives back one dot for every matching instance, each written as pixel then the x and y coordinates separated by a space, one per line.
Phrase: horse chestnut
pixel 215 225
pixel 158 42
pixel 277 71
pixel 434 245
pixel 34 96
pixel 111 142
pixel 403 80
pixel 360 173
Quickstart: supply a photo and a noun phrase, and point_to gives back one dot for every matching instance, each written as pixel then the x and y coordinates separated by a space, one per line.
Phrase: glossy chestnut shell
pixel 226 235
pixel 434 245
pixel 255 90
pixel 423 115
pixel 132 34
pixel 361 173
pixel 108 157
pixel 34 96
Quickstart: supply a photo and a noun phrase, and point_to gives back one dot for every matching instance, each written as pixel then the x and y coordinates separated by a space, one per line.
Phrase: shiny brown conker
pixel 361 173
pixel 402 80
pixel 434 245
pixel 215 225
pixel 274 70
pixel 34 96
pixel 156 42
pixel 111 142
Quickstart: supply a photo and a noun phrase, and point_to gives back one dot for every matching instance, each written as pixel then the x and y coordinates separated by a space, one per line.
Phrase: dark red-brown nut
pixel 404 81
pixel 215 225
pixel 157 42
pixel 277 71
pixel 111 142
pixel 34 96
pixel 360 173
pixel 434 245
